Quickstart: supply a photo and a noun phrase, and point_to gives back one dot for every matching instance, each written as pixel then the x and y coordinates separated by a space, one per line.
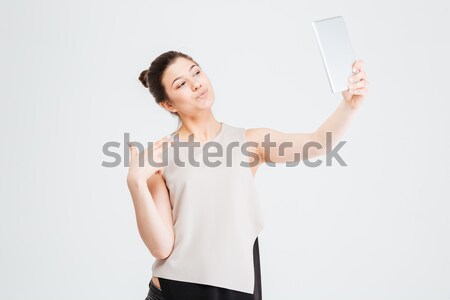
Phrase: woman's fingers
pixel 132 149
pixel 359 84
pixel 357 66
pixel 133 153
pixel 357 77
pixel 159 142
pixel 361 91
pixel 156 148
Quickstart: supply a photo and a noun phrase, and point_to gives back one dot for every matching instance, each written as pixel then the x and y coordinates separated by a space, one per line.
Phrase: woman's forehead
pixel 179 68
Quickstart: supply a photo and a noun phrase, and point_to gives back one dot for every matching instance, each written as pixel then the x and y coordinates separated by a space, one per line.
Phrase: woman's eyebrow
pixel 182 76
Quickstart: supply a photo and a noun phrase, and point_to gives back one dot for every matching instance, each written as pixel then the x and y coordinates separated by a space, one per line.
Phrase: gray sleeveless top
pixel 216 213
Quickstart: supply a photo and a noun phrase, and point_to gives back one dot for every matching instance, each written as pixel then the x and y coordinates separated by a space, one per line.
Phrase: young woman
pixel 200 220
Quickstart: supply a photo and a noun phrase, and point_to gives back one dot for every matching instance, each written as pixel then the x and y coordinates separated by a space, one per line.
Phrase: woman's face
pixel 184 82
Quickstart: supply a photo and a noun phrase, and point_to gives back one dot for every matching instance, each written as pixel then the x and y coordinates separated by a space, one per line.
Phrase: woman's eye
pixel 185 82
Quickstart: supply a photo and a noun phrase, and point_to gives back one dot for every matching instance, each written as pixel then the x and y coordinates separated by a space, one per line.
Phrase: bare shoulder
pixel 256 134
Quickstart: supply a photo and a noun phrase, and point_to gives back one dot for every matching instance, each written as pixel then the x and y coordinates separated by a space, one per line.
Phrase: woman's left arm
pixel 283 147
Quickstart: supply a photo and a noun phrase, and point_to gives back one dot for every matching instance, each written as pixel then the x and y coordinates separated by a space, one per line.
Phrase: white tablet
pixel 336 50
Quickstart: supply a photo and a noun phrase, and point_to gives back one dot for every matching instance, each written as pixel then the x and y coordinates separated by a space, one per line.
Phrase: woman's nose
pixel 197 85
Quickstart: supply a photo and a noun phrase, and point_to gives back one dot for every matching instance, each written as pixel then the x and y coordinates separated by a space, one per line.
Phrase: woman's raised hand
pixel 358 85
pixel 140 168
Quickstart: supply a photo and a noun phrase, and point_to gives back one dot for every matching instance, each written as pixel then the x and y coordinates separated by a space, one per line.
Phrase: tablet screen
pixel 336 50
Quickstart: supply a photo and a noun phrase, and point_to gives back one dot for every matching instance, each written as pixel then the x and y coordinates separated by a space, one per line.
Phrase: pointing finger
pixel 158 143
pixel 357 66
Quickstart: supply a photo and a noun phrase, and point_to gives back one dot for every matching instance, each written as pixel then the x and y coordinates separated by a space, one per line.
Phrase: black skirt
pixel 180 290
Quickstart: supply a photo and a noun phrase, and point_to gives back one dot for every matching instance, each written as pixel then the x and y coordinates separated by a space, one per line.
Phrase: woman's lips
pixel 203 95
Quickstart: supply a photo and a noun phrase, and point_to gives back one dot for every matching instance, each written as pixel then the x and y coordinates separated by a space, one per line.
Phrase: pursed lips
pixel 202 93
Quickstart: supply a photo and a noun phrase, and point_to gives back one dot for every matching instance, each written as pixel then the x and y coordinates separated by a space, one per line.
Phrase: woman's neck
pixel 201 131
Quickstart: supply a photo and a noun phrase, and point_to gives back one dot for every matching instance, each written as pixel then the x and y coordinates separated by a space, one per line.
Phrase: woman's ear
pixel 166 104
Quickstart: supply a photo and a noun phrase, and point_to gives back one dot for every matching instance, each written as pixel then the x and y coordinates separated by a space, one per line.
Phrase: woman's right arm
pixel 153 215
pixel 151 201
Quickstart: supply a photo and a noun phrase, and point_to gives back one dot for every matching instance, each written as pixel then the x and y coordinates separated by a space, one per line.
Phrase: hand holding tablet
pixel 339 59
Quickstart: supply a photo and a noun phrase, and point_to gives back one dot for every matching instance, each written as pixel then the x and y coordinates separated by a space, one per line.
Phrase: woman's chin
pixel 206 101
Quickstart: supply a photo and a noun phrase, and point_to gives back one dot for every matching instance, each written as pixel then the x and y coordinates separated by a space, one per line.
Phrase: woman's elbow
pixel 163 252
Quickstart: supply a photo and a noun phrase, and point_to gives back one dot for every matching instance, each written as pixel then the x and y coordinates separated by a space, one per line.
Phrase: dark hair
pixel 152 77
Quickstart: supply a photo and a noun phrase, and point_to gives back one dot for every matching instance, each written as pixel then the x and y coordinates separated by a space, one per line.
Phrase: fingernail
pixel 354 70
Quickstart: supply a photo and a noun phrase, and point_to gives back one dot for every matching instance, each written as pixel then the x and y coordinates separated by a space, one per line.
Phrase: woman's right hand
pixel 140 173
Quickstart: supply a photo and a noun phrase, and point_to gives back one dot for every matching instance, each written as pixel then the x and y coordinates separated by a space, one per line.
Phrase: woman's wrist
pixel 136 183
pixel 348 106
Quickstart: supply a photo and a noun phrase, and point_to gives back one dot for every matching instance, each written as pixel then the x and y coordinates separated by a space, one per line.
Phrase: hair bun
pixel 144 78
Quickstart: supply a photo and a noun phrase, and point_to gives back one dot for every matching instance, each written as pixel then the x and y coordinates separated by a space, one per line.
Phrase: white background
pixel 376 229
